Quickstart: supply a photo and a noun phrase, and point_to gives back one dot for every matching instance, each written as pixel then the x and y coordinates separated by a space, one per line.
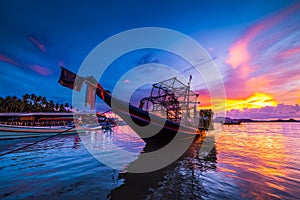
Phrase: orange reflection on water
pixel 257 154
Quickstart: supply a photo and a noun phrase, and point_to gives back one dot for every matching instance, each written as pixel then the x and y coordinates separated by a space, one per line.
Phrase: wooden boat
pixel 135 117
pixel 23 125
pixel 14 132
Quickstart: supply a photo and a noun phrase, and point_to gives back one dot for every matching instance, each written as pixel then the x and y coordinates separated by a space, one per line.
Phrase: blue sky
pixel 38 36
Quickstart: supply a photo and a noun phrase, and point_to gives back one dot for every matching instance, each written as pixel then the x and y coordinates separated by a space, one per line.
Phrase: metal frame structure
pixel 173 100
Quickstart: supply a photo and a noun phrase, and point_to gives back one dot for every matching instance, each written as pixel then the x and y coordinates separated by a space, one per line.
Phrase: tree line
pixel 31 103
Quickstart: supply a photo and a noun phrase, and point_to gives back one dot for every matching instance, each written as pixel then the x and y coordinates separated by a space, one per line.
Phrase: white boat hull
pixel 14 132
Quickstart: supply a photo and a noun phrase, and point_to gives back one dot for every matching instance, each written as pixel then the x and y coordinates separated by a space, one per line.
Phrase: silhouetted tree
pixel 30 103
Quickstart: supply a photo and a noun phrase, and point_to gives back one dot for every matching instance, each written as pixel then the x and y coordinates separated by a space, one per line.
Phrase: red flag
pixel 90 96
pixel 70 79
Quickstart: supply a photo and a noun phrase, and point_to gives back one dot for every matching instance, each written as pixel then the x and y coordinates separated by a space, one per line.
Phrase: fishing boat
pixel 14 132
pixel 161 128
pixel 24 125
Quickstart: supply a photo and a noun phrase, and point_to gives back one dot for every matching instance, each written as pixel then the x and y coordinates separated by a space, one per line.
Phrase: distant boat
pixel 232 122
pixel 227 121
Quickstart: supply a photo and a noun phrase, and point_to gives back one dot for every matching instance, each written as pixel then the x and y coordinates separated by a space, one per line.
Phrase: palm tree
pixel 67 106
pixel 25 99
pixel 44 104
pixel 33 97
pixel 51 106
pixel 56 107
pixel 1 104
pixel 14 105
pixel 18 104
pixel 7 104
pixel 62 108
pixel 31 103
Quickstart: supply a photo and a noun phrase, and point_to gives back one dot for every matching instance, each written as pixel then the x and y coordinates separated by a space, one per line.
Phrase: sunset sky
pixel 255 45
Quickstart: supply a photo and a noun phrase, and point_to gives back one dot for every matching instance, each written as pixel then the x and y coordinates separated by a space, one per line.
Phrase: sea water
pixel 248 161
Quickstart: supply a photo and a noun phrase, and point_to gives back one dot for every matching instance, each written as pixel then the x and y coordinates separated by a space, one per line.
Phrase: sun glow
pixel 257 100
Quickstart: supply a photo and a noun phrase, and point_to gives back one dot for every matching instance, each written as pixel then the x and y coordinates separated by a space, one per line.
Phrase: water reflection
pixel 53 169
pixel 257 156
pixel 179 180
pixel 249 161
pixel 103 144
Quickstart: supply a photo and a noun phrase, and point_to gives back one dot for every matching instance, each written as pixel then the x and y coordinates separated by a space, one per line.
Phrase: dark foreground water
pixel 249 161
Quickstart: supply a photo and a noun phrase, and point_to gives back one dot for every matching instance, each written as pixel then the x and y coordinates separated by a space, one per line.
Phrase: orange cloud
pixel 256 100
pixel 260 82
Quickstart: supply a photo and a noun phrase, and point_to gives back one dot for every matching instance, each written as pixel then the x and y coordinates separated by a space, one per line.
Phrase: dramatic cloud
pixel 256 101
pixel 266 59
pixel 239 52
pixel 281 111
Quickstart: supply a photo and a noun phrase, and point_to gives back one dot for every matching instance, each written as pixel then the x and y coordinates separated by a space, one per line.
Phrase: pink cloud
pixel 236 87
pixel 8 60
pixel 261 60
pixel 41 70
pixel 126 81
pixel 37 43
pixel 290 52
pixel 239 52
